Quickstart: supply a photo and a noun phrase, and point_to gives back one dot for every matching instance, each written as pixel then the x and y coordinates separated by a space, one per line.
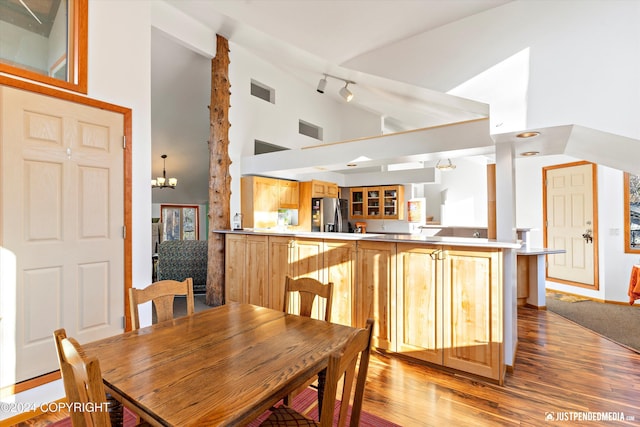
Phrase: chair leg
pixel 116 411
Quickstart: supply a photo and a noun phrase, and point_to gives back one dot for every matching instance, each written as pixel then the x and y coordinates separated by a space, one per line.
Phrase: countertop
pixel 374 237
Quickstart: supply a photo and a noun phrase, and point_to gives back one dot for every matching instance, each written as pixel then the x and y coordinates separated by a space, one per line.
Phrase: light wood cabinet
pixel 281 263
pixel 473 326
pixel 288 194
pixel 418 307
pixel 261 197
pixel 448 307
pixel 323 189
pixel 339 267
pixel 376 289
pixel 385 202
pixel 246 278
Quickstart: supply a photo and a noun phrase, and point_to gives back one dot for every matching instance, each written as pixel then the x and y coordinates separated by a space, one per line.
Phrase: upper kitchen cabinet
pixel 288 194
pixel 261 198
pixel 324 189
pixel 377 202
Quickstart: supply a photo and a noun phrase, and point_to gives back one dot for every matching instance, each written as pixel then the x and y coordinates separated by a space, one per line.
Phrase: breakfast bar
pixel 441 300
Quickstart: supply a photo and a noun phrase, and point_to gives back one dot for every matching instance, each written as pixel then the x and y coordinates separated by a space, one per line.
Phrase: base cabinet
pixel 246 278
pixel 419 330
pixel 439 304
pixel 473 337
pixel 376 272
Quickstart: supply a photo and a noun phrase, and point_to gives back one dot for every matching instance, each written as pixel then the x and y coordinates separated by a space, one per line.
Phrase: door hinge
pixel 124 142
pixel 124 231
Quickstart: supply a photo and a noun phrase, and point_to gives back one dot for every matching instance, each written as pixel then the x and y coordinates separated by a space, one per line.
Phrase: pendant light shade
pixel 163 181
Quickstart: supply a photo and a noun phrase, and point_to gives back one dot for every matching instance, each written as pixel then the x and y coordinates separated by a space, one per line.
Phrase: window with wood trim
pixel 45 41
pixel 179 222
pixel 631 213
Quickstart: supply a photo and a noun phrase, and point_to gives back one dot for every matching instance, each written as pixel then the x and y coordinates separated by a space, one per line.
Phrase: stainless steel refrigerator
pixel 329 214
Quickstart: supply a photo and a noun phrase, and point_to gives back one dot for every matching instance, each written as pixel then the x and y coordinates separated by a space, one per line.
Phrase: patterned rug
pixel 306 403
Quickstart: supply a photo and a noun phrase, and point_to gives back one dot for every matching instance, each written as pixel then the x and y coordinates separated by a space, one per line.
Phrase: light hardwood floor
pixel 561 368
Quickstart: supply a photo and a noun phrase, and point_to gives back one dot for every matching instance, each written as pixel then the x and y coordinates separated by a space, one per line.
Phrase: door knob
pixel 587 236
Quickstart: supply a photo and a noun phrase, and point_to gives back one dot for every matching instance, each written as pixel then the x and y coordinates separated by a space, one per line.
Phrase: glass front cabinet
pixel 377 202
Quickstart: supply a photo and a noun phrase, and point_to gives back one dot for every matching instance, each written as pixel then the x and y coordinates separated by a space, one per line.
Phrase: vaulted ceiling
pixel 303 37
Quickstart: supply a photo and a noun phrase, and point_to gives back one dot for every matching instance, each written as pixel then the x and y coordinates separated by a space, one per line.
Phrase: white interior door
pixel 570 214
pixel 62 262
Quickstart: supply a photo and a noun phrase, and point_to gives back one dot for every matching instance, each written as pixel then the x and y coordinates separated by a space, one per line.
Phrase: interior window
pixel 179 222
pixel 632 213
pixel 45 41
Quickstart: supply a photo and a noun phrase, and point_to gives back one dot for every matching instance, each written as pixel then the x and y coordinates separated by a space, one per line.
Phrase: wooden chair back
pixel 82 381
pixel 162 294
pixel 352 364
pixel 308 289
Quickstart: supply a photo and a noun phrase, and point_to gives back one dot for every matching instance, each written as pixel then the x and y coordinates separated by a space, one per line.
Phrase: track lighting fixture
pixel 344 91
pixel 322 84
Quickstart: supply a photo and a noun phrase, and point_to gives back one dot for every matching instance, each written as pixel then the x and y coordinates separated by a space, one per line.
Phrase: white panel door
pixel 62 227
pixel 570 215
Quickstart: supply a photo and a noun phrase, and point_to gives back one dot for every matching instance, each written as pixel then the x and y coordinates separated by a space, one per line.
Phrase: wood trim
pixel 128 168
pixel 596 263
pixel 627 218
pixel 77 54
pixel 30 383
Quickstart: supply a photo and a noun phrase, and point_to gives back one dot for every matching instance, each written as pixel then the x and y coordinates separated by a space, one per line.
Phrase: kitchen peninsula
pixel 437 299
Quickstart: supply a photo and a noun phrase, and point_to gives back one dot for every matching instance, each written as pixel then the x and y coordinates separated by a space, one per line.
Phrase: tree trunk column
pixel 219 177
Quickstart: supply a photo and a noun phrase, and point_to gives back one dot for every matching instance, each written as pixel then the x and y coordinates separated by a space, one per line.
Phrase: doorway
pixel 570 223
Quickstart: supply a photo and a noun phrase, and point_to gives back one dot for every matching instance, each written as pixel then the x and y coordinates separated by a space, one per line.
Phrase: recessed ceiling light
pixel 527 134
pixel 530 153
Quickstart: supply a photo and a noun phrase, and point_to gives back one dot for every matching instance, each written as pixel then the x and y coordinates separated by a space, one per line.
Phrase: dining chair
pixel 82 381
pixel 342 365
pixel 308 289
pixel 162 294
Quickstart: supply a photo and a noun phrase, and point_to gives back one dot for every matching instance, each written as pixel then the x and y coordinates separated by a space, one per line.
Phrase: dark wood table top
pixel 221 366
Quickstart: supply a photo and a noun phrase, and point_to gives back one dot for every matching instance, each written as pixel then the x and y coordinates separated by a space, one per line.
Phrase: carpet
pixel 305 403
pixel 617 322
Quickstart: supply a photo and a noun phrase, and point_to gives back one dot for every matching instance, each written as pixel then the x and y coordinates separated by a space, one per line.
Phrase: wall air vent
pixel 261 147
pixel 310 130
pixel 263 91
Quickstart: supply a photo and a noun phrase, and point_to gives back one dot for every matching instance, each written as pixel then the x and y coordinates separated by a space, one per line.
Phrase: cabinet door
pixel 339 268
pixel 281 256
pixel 256 264
pixel 393 202
pixel 288 194
pixel 419 303
pixel 235 249
pixel 331 189
pixel 376 278
pixel 265 202
pixel 308 262
pixel 373 202
pixel 357 204
pixel 473 318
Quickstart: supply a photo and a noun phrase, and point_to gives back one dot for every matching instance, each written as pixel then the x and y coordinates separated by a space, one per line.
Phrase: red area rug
pixel 306 403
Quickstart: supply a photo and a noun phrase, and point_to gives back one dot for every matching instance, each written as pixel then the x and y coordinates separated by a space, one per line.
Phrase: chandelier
pixel 163 181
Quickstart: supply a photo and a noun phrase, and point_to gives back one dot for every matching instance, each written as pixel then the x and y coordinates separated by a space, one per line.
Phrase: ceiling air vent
pixel 308 129
pixel 261 147
pixel 263 92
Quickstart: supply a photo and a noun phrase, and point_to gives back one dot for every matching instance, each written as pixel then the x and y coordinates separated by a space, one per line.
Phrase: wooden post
pixel 219 177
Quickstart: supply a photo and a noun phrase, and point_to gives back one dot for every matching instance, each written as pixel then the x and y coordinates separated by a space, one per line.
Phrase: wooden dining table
pixel 221 366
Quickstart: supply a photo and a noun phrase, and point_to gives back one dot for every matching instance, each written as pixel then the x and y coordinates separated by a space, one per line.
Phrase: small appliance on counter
pixel 236 224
